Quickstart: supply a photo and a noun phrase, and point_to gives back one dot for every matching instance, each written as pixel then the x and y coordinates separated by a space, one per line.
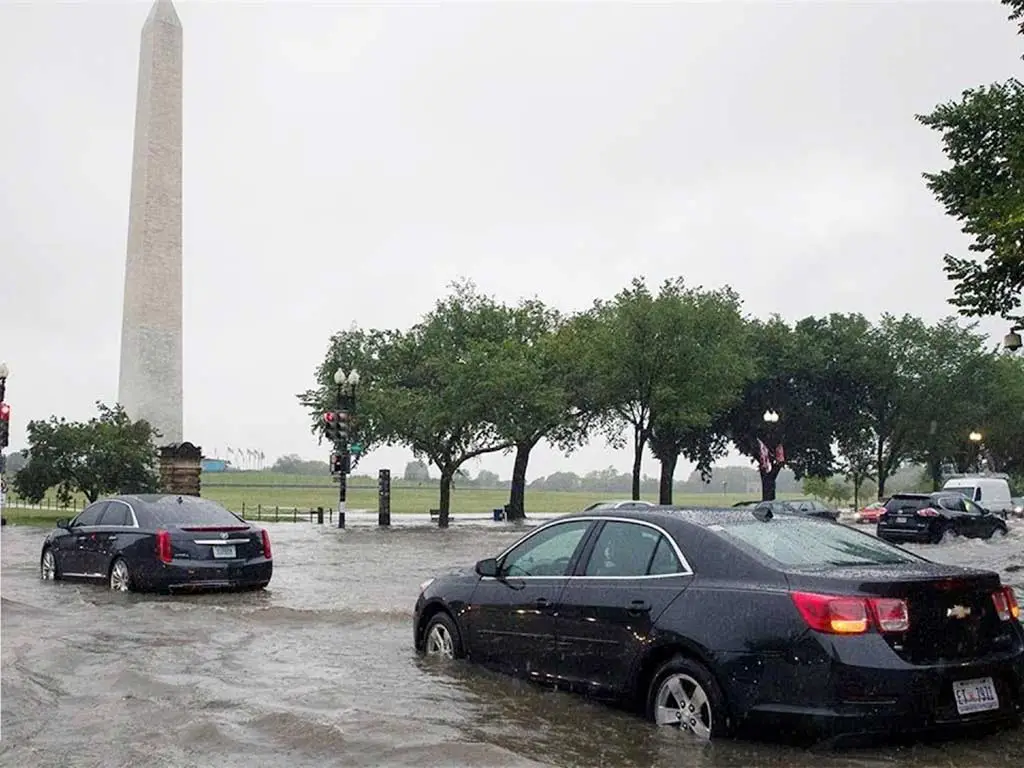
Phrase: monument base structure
pixel 181 465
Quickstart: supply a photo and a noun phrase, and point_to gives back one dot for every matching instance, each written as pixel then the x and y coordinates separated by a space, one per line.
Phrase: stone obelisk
pixel 150 382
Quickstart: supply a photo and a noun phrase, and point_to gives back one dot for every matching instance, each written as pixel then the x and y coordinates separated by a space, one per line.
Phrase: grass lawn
pixel 256 495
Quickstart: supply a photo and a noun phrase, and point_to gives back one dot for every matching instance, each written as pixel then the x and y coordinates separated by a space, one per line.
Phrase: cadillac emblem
pixel 958 612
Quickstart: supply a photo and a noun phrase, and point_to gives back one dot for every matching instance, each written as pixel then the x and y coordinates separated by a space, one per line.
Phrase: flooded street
pixel 319 670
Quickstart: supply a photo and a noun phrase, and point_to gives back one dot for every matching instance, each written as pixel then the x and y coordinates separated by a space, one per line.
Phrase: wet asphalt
pixel 319 670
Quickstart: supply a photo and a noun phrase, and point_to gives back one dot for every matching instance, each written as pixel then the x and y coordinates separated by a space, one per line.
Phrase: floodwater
pixel 319 670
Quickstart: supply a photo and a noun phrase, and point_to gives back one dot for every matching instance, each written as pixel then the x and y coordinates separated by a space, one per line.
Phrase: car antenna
pixel 764 514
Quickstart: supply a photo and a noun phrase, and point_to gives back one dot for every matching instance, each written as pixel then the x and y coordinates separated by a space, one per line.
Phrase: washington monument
pixel 150 382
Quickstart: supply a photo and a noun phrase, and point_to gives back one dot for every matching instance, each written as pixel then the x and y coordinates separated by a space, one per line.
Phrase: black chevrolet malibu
pixel 720 621
pixel 158 543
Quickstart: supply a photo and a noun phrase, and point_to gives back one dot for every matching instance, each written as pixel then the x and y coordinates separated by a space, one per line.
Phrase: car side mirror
pixel 487 567
pixel 63 523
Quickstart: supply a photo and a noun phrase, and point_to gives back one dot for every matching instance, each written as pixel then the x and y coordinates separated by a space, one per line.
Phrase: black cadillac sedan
pixel 722 621
pixel 158 543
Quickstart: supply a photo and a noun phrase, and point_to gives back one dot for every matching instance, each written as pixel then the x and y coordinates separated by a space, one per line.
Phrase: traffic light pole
pixel 342 489
pixel 5 425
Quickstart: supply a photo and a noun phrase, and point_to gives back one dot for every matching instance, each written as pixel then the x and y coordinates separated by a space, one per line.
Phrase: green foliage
pixel 108 454
pixel 983 137
pixel 292 464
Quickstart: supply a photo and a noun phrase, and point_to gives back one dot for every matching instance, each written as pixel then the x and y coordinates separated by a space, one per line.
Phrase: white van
pixel 990 491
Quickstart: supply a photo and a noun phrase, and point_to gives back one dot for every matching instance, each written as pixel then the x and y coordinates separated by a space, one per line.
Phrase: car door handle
pixel 639 606
pixel 543 602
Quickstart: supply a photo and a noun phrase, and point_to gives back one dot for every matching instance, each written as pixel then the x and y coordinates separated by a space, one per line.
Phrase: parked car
pixel 813 508
pixel 805 507
pixel 620 504
pixel 736 620
pixel 158 542
pixel 869 513
pixel 930 517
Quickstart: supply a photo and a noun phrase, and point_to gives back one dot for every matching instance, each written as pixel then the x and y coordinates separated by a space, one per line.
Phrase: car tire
pixel 441 637
pixel 120 577
pixel 48 570
pixel 684 694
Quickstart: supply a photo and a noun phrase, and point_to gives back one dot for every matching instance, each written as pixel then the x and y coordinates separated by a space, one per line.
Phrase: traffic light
pixel 337 463
pixel 5 425
pixel 336 426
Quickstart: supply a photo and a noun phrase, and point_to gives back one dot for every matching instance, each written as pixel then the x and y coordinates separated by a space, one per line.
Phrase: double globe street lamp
pixel 345 404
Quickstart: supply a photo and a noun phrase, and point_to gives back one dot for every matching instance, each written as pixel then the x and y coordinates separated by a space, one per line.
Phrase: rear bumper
pixel 919 535
pixel 200 576
pixel 834 700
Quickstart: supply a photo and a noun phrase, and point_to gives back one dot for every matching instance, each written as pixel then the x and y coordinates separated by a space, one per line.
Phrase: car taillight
pixel 927 512
pixel 163 546
pixel 266 544
pixel 851 615
pixel 1006 603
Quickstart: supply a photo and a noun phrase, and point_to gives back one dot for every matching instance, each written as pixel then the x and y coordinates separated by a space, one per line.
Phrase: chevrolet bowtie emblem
pixel 224 535
pixel 958 612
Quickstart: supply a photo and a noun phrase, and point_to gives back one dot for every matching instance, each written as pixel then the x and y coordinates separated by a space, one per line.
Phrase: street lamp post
pixel 5 430
pixel 345 401
pixel 975 437
pixel 1012 340
pixel 768 456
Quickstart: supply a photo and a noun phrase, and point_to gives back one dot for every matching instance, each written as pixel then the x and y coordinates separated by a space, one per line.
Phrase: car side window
pixel 116 513
pixel 623 549
pixel 546 553
pixel 972 508
pixel 90 515
pixel 953 503
pixel 664 560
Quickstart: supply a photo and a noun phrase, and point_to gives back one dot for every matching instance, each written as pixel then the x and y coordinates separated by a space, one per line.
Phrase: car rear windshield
pixel 192 512
pixel 810 544
pixel 911 503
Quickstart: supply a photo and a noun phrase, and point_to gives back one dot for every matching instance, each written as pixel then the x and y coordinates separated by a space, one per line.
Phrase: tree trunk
pixel 935 470
pixel 517 491
pixel 668 473
pixel 768 483
pixel 639 439
pixel 445 502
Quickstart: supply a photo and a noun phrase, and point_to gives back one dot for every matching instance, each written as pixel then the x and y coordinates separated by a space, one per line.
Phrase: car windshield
pixel 192 512
pixel 800 543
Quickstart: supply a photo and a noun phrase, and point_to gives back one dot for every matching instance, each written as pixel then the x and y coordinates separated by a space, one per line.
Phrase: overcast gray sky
pixel 345 162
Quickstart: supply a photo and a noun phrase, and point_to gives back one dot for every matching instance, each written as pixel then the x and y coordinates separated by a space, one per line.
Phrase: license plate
pixel 224 552
pixel 901 519
pixel 975 695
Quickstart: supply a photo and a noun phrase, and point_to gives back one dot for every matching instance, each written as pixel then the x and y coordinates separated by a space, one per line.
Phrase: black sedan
pixel 158 542
pixel 722 621
pixel 932 517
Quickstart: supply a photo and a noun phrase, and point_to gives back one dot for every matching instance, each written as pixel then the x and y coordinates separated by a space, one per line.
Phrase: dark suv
pixel 928 517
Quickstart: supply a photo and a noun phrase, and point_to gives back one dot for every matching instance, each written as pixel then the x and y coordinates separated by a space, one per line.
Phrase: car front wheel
pixel 442 637
pixel 683 694
pixel 48 570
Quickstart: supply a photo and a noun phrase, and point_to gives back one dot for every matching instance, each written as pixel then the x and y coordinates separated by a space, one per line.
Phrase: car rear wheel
pixel 442 637
pixel 684 695
pixel 120 576
pixel 48 566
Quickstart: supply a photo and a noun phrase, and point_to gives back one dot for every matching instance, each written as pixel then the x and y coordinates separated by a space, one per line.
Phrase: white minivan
pixel 991 492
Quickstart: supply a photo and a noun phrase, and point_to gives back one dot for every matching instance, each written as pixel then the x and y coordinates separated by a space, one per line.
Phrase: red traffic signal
pixel 5 412
pixel 330 416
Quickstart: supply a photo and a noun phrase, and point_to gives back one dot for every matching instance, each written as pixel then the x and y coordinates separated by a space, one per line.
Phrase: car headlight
pixel 426 584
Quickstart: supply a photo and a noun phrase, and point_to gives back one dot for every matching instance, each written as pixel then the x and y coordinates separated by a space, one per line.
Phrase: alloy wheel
pixel 48 566
pixel 119 578
pixel 682 702
pixel 439 642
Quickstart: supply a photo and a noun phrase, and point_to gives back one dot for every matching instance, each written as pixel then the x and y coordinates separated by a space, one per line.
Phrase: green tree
pixel 857 458
pixel 793 379
pixel 527 365
pixel 983 138
pixel 704 338
pixel 108 454
pixel 1002 428
pixel 436 388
